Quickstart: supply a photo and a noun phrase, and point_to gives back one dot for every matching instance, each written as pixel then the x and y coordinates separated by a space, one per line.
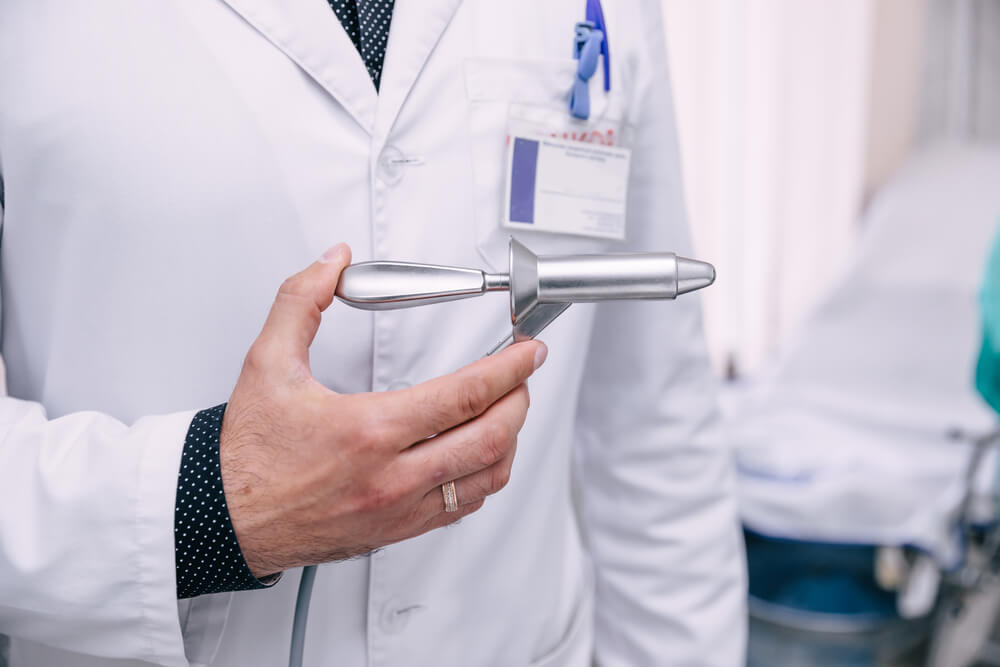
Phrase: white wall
pixel 774 103
pixel 897 70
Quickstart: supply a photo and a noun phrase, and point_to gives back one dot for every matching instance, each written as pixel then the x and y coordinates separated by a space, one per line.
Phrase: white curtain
pixel 773 103
pixel 961 98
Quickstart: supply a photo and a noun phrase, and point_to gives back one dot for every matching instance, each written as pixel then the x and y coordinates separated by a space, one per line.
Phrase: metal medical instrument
pixel 541 288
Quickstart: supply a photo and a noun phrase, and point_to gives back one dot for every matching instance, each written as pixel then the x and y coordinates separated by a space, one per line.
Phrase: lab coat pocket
pixel 576 646
pixel 203 620
pixel 506 96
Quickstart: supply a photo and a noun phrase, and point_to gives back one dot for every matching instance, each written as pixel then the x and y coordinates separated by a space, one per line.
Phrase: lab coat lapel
pixel 416 28
pixel 308 32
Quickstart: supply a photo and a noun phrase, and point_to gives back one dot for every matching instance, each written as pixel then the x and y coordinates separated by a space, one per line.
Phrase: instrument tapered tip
pixel 693 275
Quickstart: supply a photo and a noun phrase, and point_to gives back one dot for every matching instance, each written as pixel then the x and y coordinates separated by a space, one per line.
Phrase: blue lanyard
pixel 590 41
pixel 595 15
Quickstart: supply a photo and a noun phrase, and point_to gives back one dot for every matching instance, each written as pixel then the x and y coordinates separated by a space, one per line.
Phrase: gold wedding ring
pixel 450 497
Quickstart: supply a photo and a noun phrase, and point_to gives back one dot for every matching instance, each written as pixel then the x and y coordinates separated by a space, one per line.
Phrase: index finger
pixel 412 414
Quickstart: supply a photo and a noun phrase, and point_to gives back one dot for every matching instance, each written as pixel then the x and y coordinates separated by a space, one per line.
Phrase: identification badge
pixel 566 186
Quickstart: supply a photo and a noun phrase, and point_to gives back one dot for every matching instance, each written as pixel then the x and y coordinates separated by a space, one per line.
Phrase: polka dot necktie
pixel 367 24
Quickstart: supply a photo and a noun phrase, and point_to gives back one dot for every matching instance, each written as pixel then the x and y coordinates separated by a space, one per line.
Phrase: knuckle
pixel 301 302
pixel 437 474
pixel 524 397
pixel 372 433
pixel 495 442
pixel 259 355
pixel 367 424
pixel 473 397
pixel 255 358
pixel 313 315
pixel 437 416
pixel 499 477
pixel 374 497
pixel 406 489
pixel 293 285
pixel 506 433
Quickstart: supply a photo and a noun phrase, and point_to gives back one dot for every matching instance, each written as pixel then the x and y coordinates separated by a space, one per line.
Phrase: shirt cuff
pixel 207 554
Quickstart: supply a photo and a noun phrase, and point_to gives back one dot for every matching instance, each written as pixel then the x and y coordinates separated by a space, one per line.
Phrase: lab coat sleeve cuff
pixel 155 538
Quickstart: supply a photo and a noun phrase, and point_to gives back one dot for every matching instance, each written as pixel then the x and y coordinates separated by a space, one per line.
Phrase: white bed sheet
pixel 846 440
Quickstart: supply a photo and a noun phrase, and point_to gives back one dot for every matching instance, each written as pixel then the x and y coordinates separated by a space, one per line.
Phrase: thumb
pixel 295 315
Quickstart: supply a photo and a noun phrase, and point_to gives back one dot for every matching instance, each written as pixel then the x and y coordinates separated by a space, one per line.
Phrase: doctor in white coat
pixel 165 166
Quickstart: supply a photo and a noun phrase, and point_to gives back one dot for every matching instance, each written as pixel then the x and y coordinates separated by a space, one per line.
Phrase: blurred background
pixel 792 114
pixel 842 169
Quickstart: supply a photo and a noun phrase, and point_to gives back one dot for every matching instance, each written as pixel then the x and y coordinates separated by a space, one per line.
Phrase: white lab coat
pixel 167 164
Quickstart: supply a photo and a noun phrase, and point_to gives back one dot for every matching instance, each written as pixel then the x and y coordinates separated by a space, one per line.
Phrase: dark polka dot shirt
pixel 367 24
pixel 207 553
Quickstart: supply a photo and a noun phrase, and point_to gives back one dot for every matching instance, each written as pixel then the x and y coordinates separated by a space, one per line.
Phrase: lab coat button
pixel 396 616
pixel 390 165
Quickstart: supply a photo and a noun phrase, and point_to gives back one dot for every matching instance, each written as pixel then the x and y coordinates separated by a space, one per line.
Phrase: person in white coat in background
pixel 165 167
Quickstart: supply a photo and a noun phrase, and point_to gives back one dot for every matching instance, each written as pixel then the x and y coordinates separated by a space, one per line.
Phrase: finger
pixel 472 488
pixel 410 415
pixel 470 448
pixel 295 315
pixel 478 485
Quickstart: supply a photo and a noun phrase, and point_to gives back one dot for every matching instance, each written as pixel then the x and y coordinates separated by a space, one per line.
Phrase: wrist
pixel 209 558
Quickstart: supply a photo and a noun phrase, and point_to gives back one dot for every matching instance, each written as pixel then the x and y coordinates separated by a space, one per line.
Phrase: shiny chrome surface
pixel 613 277
pixel 583 278
pixel 390 285
pixel 693 275
pixel 528 314
pixel 541 288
